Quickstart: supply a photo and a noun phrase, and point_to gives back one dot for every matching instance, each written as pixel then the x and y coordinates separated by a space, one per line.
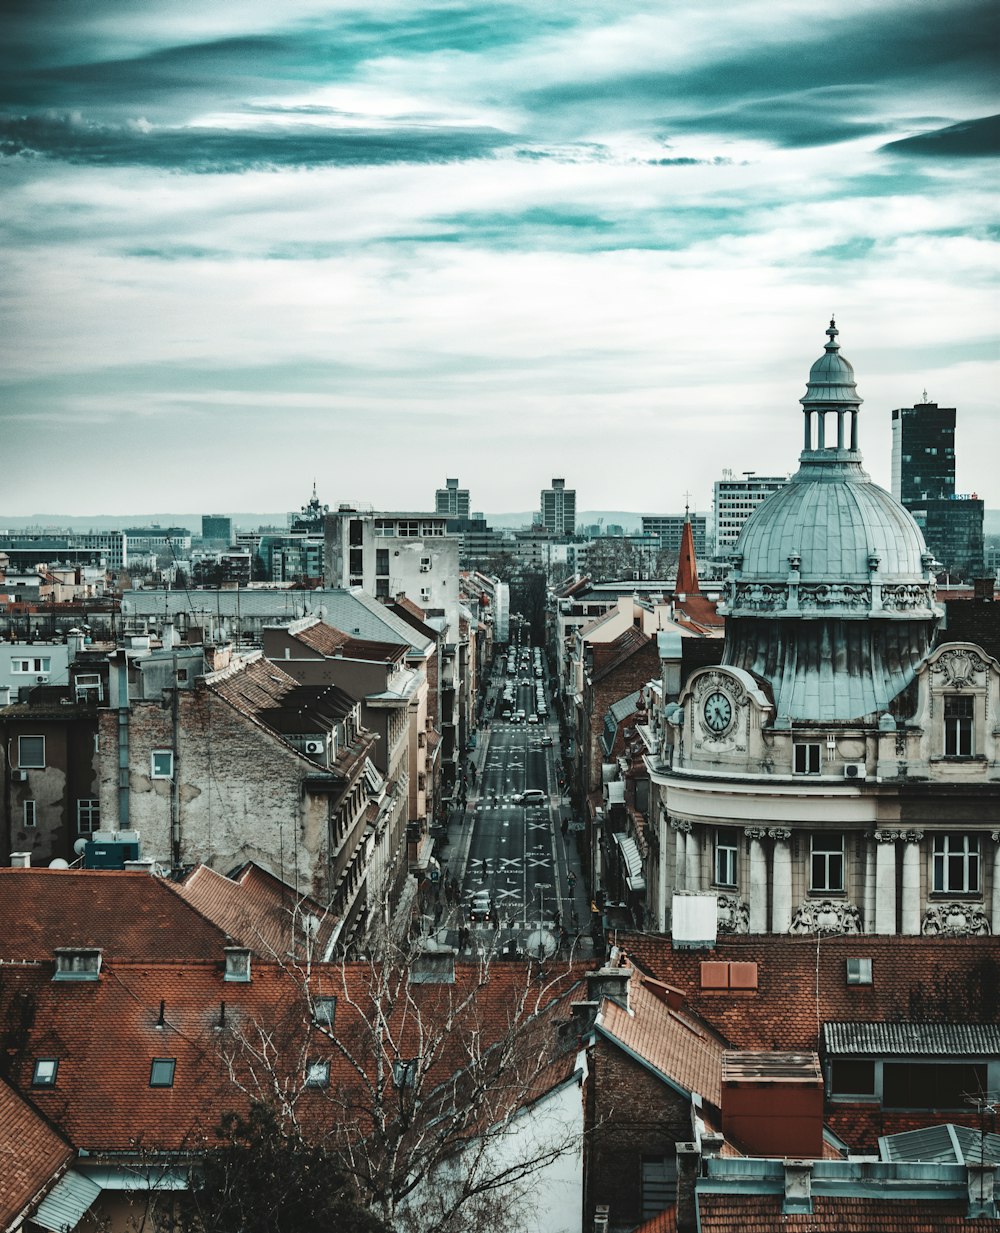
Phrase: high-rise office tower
pixel 452 500
pixel 923 452
pixel 923 479
pixel 559 508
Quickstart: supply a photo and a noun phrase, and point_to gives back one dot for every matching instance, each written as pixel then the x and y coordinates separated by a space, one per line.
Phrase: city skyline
pixel 506 243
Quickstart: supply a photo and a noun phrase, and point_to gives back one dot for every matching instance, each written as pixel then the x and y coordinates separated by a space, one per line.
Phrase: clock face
pixel 718 711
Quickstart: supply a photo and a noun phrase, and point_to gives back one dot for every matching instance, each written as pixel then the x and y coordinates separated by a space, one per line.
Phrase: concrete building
pixel 452 500
pixel 735 500
pixel 668 529
pixel 217 530
pixel 559 508
pixel 838 770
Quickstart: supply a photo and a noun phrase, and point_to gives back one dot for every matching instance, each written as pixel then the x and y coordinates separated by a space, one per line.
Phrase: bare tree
pixel 414 1073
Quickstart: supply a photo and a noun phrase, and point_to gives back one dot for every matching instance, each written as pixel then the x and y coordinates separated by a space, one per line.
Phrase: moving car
pixel 546 739
pixel 480 905
pixel 530 796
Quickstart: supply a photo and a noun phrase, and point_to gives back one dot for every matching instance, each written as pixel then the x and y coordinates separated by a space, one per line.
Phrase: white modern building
pixel 735 500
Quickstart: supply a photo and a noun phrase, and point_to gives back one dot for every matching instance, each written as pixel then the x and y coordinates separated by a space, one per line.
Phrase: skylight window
pixel 324 1011
pixel 318 1074
pixel 45 1072
pixel 161 1073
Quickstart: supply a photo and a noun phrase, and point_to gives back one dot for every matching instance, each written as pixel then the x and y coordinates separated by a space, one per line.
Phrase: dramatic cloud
pixel 375 244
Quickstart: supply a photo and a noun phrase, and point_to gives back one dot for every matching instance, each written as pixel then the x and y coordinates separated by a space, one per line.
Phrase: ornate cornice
pixel 680 825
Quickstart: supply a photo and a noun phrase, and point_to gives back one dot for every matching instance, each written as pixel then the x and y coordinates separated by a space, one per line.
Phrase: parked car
pixel 546 739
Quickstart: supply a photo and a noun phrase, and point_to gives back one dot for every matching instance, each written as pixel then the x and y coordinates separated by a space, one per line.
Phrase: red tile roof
pixel 259 911
pixel 32 1155
pixel 674 1043
pixel 107 1032
pixel 687 564
pixel 130 916
pixel 757 1213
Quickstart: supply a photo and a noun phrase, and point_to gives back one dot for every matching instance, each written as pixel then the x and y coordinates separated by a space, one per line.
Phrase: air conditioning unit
pixel 854 770
pixel 41 679
pixel 425 569
pixel 19 776
pixel 315 747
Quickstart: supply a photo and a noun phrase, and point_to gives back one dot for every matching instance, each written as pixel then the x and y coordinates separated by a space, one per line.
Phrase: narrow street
pixel 522 854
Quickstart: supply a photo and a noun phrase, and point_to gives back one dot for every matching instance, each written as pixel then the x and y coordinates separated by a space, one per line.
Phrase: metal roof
pixel 67 1202
pixel 948 1144
pixel 912 1039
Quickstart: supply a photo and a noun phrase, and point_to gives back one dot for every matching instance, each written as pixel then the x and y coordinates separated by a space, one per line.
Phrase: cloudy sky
pixel 246 246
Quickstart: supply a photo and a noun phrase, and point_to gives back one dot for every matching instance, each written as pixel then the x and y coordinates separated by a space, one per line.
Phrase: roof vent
pixel 237 964
pixel 20 860
pixel 77 963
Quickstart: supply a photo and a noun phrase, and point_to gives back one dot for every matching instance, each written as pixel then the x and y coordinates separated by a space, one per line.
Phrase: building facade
pixel 837 771
pixel 452 500
pixel 735 500
pixel 668 528
pixel 559 508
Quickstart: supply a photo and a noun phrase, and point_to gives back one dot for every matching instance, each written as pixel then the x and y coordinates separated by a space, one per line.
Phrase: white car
pixel 532 719
pixel 530 796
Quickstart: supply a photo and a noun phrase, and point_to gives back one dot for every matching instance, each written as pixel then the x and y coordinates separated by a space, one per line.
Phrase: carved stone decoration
pixel 734 914
pixel 907 597
pixel 826 916
pixel 680 824
pixel 955 920
pixel 825 595
pixel 886 836
pixel 780 832
pixel 911 836
pixel 958 667
pixel 755 832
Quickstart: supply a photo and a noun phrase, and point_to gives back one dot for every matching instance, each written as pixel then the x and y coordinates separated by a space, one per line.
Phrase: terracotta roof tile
pixel 130 916
pixel 757 1213
pixel 257 910
pixel 32 1154
pixel 675 1044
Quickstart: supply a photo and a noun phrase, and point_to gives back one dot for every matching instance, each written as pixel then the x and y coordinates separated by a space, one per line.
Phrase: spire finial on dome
pixel 832 333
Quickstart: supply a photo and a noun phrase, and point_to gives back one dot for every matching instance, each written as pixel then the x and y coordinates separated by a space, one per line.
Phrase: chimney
pixel 982 1192
pixel 4 695
pixel 602 1215
pixel 145 865
pixel 20 860
pixel 584 1014
pixel 711 1145
pixel 688 1162
pixel 798 1187
pixel 609 982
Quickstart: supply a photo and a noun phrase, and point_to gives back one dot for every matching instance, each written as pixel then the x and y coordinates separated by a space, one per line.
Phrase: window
pixel 658 1183
pixel 161 763
pixel 726 845
pixel 409 527
pixel 161 1073
pixel 806 759
pixel 88 816
pixel 827 865
pixel 859 971
pixel 382 561
pixel 30 814
pixel 324 1011
pixel 385 526
pixel 45 1072
pixel 31 752
pixel 852 1078
pixel 956 864
pixel 931 1085
pixel 318 1074
pixel 34 666
pixel 958 716
pixel 404 1072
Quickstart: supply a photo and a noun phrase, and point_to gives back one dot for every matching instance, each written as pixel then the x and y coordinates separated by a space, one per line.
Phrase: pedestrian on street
pixel 565 827
pixel 572 881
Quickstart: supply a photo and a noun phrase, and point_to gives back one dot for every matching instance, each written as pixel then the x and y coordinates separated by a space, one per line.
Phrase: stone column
pixel 758 880
pixel 885 881
pixel 692 880
pixel 781 885
pixel 868 907
pixel 681 831
pixel 995 922
pixel 911 881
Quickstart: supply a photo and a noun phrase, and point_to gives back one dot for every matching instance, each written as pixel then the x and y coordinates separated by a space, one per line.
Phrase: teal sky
pixel 246 246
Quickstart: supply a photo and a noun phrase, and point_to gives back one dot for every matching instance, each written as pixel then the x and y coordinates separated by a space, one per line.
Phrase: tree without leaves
pixel 427 1082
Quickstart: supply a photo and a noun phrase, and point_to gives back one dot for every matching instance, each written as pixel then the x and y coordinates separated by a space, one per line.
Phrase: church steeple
pixel 687 564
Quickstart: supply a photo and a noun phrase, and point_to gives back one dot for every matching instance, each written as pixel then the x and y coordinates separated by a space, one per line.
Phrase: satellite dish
pixel 79 847
pixel 59 863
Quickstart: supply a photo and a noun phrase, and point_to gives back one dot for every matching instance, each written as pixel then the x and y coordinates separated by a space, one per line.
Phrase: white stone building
pixel 839 770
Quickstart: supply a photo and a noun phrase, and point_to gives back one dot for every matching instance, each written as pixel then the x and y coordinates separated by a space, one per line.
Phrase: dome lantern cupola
pixel 831 389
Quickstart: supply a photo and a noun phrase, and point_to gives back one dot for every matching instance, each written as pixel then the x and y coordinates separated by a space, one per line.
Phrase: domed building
pixel 840 770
